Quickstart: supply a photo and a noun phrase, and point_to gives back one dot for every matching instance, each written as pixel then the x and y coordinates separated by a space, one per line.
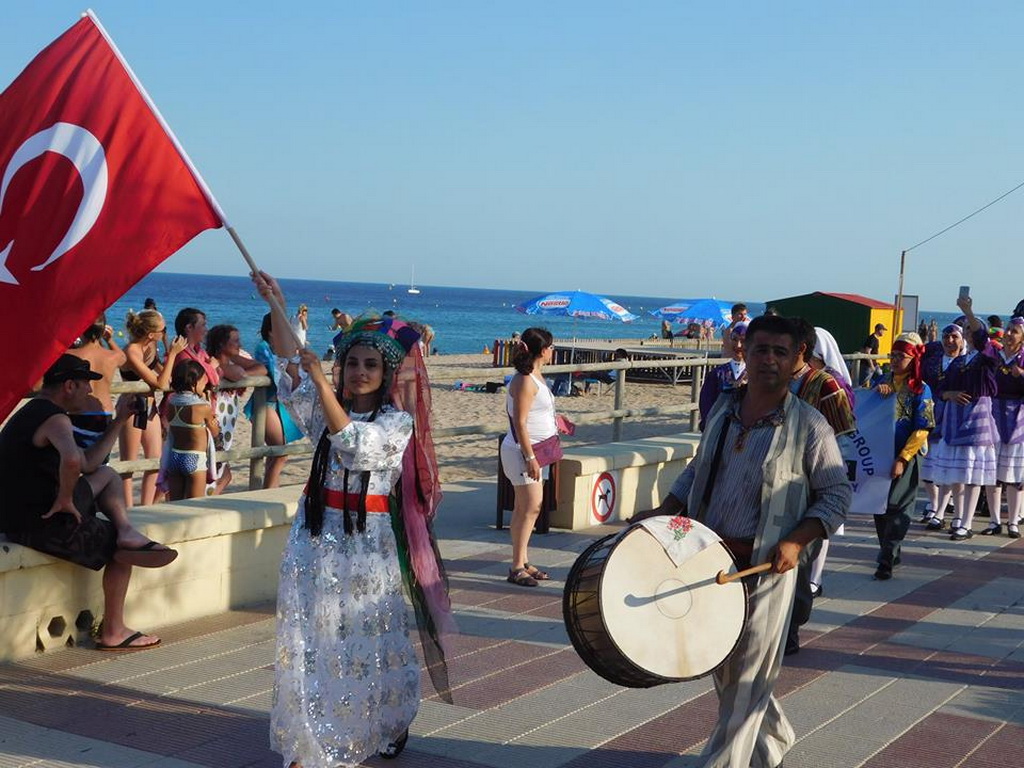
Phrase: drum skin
pixel 639 620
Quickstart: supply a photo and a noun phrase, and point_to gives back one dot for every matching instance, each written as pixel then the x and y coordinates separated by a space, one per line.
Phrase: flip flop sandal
pixel 522 577
pixel 537 573
pixel 149 555
pixel 126 644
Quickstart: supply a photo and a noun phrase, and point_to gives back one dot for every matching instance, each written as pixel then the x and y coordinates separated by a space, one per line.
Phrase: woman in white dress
pixel 347 681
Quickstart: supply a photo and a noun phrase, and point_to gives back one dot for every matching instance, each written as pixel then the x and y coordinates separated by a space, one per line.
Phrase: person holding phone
pixel 965 458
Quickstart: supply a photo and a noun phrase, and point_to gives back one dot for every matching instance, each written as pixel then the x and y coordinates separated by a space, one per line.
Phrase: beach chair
pixel 507 497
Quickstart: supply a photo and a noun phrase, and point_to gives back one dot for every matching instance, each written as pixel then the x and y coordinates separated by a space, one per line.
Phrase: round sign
pixel 602 497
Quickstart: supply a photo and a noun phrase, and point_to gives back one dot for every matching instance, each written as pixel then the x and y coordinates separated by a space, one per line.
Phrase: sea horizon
pixel 465 320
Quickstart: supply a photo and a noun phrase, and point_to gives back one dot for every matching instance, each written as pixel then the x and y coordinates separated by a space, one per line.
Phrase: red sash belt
pixel 336 499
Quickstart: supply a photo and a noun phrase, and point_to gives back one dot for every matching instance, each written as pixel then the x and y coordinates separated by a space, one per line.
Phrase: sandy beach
pixel 475 456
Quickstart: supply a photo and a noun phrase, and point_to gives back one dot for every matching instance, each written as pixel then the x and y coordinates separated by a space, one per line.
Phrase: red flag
pixel 93 195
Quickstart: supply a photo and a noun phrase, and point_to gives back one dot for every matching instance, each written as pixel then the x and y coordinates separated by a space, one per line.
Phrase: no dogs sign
pixel 604 497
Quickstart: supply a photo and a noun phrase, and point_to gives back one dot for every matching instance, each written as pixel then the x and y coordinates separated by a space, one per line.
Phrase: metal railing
pixel 258 451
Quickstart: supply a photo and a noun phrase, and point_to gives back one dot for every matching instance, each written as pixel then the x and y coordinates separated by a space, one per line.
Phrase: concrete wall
pixel 609 482
pixel 229 550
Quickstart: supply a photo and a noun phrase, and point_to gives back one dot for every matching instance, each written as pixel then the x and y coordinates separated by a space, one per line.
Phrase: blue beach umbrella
pixel 703 311
pixel 576 304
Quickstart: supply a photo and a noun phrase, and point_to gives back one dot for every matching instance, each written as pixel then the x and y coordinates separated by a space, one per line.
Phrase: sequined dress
pixel 347 681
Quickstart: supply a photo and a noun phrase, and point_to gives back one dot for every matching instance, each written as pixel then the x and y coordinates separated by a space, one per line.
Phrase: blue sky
pixel 741 150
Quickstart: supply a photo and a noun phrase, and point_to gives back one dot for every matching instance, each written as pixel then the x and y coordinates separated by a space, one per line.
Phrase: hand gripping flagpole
pixel 207 192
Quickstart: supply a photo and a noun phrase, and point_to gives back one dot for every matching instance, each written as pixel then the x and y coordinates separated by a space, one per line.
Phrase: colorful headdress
pixel 740 329
pixel 391 337
pixel 954 329
pixel 909 345
pixel 1017 320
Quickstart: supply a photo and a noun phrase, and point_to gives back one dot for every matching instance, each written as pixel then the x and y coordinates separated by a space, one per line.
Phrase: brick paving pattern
pixel 924 670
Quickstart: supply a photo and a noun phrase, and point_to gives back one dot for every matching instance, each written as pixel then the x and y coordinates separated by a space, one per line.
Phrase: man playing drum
pixel 768 478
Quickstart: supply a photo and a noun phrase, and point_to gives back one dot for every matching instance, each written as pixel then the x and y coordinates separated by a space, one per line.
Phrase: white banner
pixel 869 452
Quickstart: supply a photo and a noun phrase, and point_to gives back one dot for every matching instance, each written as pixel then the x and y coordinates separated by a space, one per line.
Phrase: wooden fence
pixel 258 451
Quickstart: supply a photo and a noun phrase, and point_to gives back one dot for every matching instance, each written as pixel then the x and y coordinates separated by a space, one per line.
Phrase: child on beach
pixel 191 427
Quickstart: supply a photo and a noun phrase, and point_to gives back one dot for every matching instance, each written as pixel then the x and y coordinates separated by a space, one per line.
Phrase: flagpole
pixel 200 181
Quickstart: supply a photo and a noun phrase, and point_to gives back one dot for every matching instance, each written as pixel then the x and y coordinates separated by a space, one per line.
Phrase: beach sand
pixel 475 456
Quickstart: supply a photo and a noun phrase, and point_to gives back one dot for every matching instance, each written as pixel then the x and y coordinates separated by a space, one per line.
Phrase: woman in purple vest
pixel 938 356
pixel 1009 418
pixel 966 457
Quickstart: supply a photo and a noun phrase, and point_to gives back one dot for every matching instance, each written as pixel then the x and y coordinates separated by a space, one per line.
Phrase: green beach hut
pixel 849 317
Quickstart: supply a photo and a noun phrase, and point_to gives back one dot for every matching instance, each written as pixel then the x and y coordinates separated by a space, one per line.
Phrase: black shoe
pixel 792 646
pixel 961 534
pixel 816 590
pixel 884 572
pixel 935 524
pixel 928 515
pixel 992 530
pixel 394 749
pixel 1013 531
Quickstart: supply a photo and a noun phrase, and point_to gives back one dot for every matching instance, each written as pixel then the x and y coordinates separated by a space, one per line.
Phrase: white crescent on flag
pixel 86 153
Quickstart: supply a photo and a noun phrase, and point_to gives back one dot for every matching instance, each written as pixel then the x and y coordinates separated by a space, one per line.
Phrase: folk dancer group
pixel 978 443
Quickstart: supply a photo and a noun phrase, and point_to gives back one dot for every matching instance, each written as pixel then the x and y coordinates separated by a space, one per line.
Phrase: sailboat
pixel 412 283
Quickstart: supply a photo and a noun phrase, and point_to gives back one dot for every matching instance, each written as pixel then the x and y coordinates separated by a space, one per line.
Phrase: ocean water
pixel 465 320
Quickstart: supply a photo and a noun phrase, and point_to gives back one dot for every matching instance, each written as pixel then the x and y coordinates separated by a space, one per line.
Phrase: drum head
pixel 672 621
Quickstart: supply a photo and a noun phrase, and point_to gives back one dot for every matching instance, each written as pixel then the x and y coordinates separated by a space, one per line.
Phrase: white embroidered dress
pixel 347 681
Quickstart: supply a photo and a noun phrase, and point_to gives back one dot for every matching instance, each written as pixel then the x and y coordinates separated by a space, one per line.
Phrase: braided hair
pixel 315 505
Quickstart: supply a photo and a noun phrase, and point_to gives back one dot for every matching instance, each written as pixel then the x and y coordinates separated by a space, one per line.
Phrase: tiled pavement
pixel 924 670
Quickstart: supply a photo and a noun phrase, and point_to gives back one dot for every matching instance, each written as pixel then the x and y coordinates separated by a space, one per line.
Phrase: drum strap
pixel 716 459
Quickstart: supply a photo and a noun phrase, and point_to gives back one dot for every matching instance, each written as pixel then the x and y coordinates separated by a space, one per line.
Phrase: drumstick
pixel 725 578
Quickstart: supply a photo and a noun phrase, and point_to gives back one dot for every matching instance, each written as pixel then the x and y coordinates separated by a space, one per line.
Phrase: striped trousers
pixel 752 731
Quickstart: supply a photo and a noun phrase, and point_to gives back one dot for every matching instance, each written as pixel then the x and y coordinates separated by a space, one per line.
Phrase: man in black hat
pixel 51 491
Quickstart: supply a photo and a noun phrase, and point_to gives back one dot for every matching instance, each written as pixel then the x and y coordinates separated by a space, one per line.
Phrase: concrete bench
pixel 604 483
pixel 230 548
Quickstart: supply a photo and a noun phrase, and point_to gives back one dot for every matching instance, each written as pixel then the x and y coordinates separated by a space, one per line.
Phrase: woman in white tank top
pixel 531 412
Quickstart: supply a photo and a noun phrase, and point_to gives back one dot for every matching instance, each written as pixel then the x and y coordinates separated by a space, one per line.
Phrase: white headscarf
pixel 826 349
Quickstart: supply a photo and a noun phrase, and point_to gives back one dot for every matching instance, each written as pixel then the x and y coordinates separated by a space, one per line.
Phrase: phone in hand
pixel 965 291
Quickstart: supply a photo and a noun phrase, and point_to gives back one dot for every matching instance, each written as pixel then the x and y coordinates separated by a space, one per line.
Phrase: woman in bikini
pixel 191 424
pixel 145 329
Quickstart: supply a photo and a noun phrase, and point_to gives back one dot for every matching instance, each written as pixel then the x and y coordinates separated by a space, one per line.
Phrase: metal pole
pixel 896 324
pixel 696 382
pixel 257 466
pixel 620 391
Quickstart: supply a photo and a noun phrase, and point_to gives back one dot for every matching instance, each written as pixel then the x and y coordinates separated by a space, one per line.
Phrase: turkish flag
pixel 93 195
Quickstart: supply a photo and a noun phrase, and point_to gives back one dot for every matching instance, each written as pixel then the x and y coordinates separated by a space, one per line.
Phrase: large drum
pixel 639 620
